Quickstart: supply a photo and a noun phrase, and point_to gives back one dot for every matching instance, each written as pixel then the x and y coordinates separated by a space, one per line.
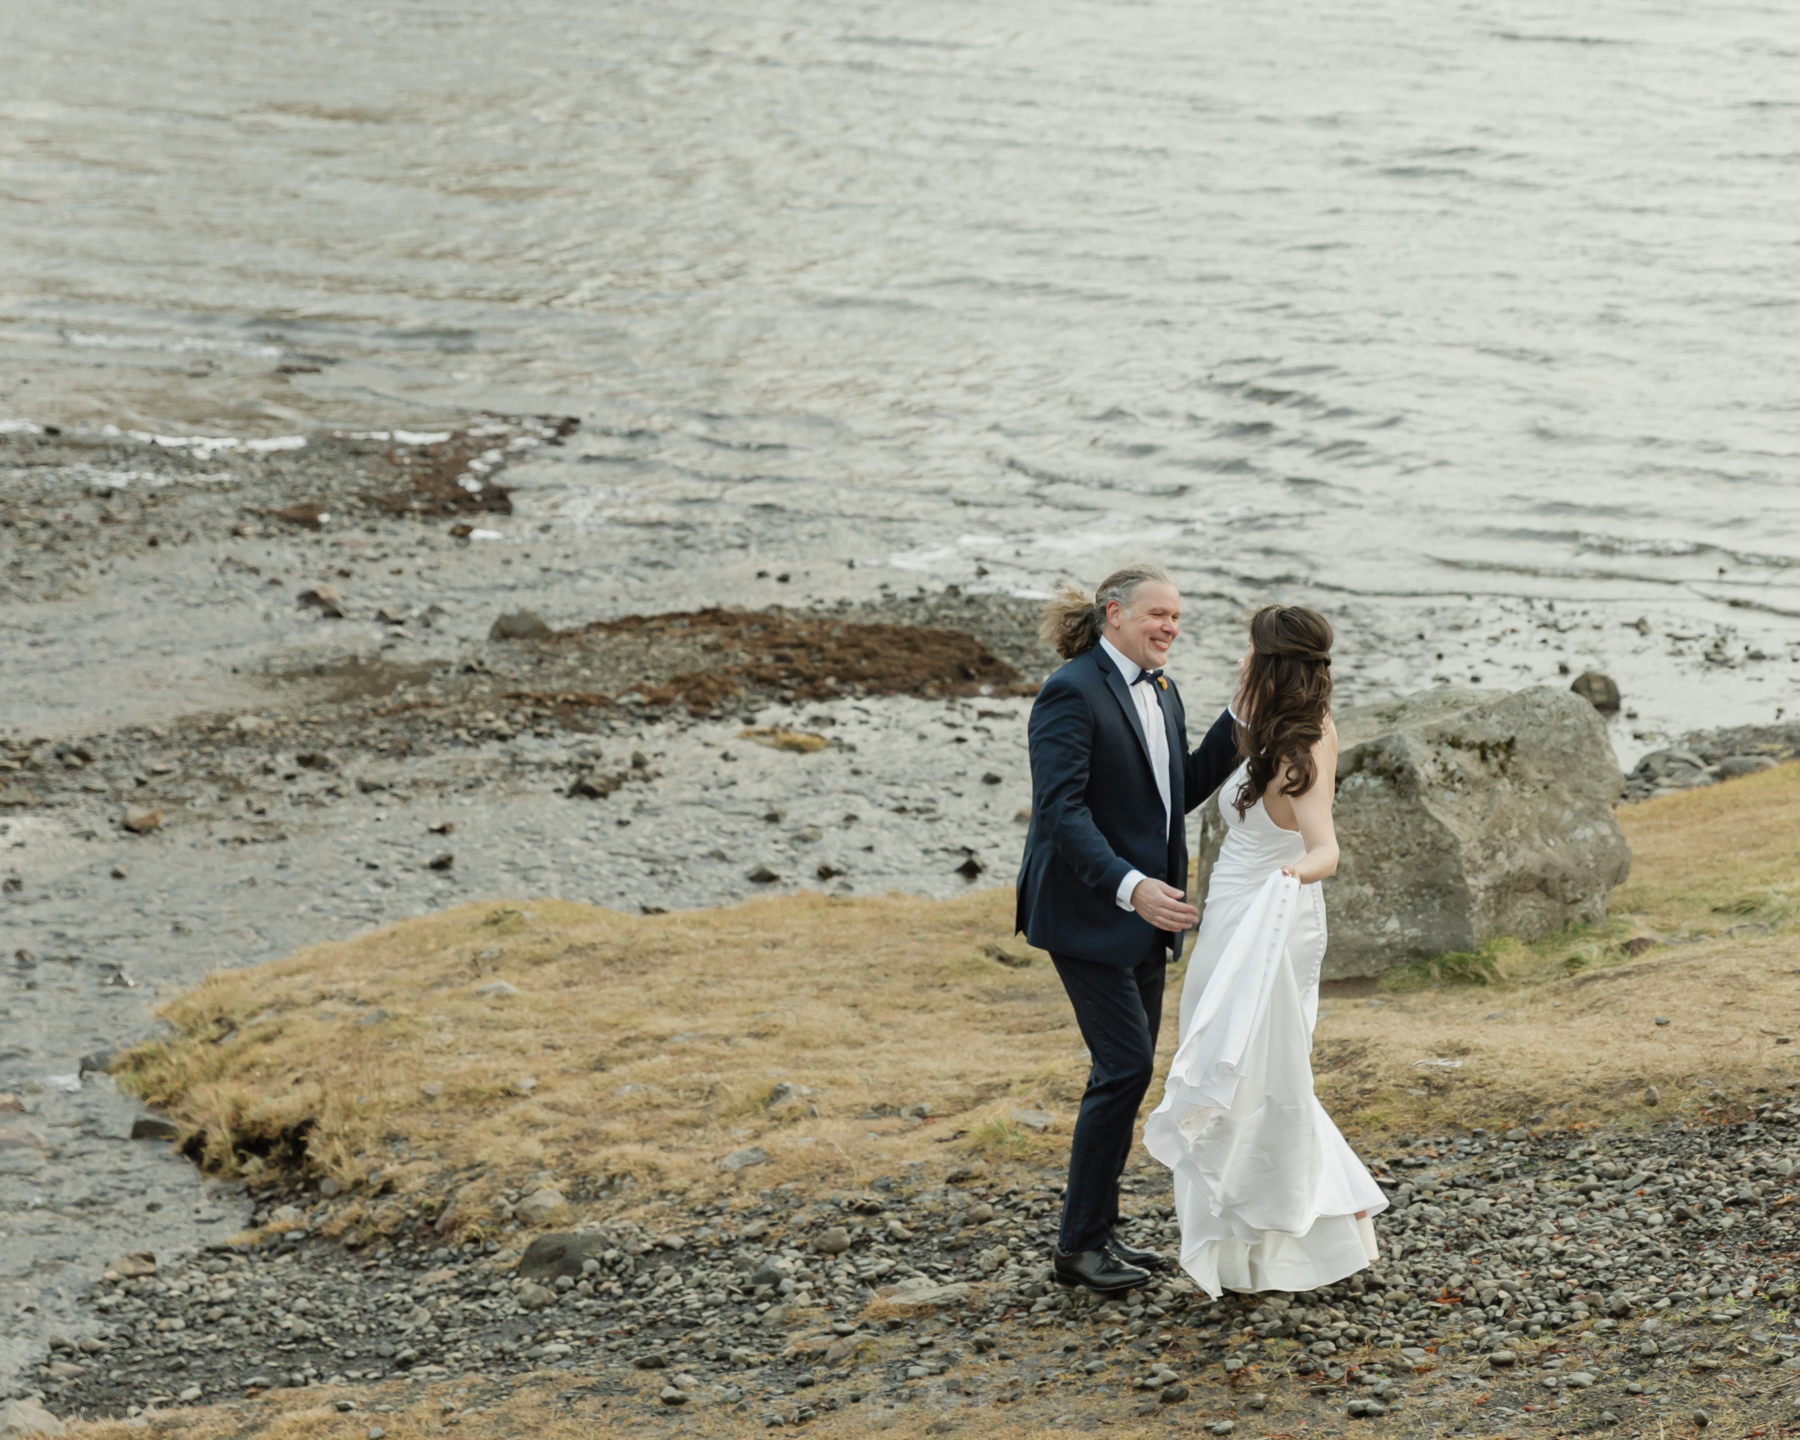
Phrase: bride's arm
pixel 1312 812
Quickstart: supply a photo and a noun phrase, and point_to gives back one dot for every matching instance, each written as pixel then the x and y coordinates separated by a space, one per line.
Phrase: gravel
pixel 1565 1270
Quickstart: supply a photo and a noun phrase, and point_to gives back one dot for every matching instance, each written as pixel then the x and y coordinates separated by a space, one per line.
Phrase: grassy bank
pixel 498 1046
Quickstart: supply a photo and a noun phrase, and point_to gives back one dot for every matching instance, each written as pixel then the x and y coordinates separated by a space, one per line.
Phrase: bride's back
pixel 1280 807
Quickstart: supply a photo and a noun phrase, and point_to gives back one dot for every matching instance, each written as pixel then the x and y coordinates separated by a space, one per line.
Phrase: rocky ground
pixel 1545 1281
pixel 1707 757
pixel 275 773
pixel 256 701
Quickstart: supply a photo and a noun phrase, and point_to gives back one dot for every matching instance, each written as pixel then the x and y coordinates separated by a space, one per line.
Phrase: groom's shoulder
pixel 1066 690
pixel 1076 674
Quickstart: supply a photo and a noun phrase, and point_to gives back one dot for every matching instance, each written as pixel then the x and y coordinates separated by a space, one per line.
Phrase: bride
pixel 1268 1193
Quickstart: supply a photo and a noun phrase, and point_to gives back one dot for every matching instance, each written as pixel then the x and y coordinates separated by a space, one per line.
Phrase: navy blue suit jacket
pixel 1096 813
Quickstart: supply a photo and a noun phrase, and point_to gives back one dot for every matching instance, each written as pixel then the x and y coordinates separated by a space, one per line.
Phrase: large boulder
pixel 1462 815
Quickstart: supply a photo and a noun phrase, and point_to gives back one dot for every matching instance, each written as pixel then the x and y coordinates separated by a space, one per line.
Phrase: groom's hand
pixel 1163 906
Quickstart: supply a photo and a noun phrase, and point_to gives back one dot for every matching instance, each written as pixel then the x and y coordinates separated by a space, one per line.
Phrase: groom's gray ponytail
pixel 1072 623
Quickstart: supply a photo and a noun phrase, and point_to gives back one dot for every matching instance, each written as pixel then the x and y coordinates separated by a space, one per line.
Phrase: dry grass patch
pixel 594 1045
pixel 651 1047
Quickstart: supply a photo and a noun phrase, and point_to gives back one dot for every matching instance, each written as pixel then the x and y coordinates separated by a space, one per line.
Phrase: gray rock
pixel 921 1291
pixel 539 1206
pixel 520 625
pixel 536 1297
pixel 154 1127
pixel 497 989
pixel 1733 767
pixel 560 1254
pixel 19 1418
pixel 1464 815
pixel 743 1159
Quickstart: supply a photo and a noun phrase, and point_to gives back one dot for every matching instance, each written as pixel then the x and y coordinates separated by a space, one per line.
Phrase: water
pixel 1434 315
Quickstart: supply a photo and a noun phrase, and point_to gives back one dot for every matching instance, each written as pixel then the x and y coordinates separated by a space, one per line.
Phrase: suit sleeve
pixel 1208 767
pixel 1061 736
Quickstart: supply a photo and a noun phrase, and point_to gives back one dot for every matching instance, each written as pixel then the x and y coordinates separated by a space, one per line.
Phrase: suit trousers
pixel 1119 1010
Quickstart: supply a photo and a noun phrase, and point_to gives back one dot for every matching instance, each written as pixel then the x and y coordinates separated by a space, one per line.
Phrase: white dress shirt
pixel 1149 708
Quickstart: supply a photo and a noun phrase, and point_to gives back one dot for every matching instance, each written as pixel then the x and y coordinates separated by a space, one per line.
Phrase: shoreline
pixel 157 631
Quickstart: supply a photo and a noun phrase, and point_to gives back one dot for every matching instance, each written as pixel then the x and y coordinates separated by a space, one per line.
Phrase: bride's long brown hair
pixel 1284 701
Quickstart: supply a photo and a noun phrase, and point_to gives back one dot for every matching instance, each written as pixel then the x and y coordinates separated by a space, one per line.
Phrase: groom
pixel 1103 883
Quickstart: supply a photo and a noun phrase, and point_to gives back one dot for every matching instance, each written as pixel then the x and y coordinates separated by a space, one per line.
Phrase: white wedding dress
pixel 1266 1189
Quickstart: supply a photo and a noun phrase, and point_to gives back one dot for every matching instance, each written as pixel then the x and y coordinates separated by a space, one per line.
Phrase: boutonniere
pixel 1162 682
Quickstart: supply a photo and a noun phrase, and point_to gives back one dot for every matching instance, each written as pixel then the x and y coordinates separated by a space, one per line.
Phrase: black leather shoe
pixel 1098 1270
pixel 1131 1255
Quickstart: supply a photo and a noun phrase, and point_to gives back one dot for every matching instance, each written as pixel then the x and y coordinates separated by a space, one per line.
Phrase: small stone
pixel 189 1395
pixel 141 819
pixel 524 1085
pixel 1502 1358
pixel 154 1127
pixel 1578 1379
pixel 119 872
pixel 138 1265
pixel 441 862
pixel 1176 1393
pixel 652 1360
pixel 375 1432
pixel 520 625
pixel 328 600
pixel 990 778
pixel 762 875
pixel 1662 1019
pixel 1039 1120
pixel 1598 690
pixel 1651 1095
pixel 671 1396
pixel 1256 1401
pixel 1701 1419
pixel 743 1159
pixel 971 868
pixel 834 1241
pixel 1734 767
pixel 535 1297
pixel 539 1206
pixel 387 615
pixel 497 989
